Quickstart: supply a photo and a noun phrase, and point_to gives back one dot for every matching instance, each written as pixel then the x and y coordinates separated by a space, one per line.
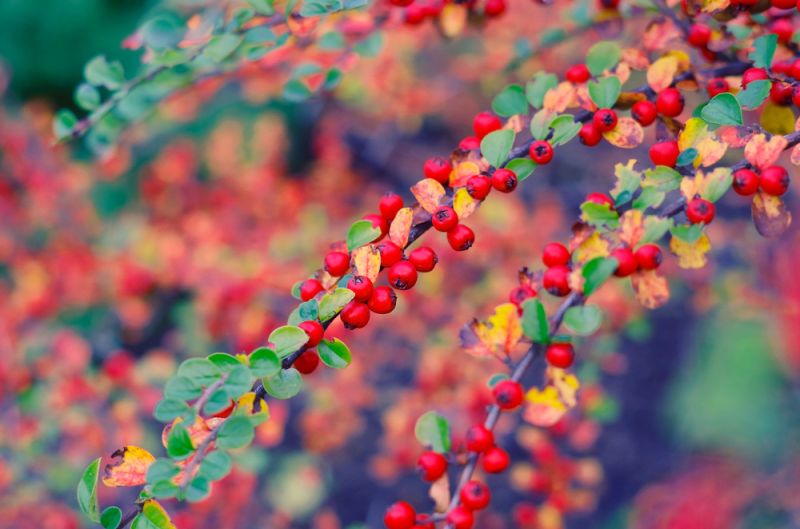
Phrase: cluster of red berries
pixel 669 103
pixel 417 11
pixel 773 180
pixel 604 120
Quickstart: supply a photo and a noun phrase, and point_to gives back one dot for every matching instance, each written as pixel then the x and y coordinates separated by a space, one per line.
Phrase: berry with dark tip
pixel 444 218
pixel 774 180
pixel 431 465
pixel 423 258
pixel 745 182
pixel 644 112
pixel 355 315
pixel 605 119
pixel 479 438
pixel 700 210
pixel 475 495
pixel 438 169
pixel 402 275
pixel 508 394
pixel 541 152
pixel 495 460
pixel 478 186
pixel 556 280
pixel 648 256
pixel 504 180
pixel 390 253
pixel 626 262
pixel 383 300
pixel 337 263
pixel 361 287
pixel 461 238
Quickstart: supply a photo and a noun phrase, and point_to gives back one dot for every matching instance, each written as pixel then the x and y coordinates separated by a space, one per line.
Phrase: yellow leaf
pixel 628 134
pixel 401 226
pixel 587 244
pixel 709 6
pixel 463 204
pixel 367 260
pixel 440 493
pixel 247 405
pixel 651 289
pixel 710 185
pixel 770 215
pixel 546 406
pixel 762 152
pixel 691 255
pixel 662 72
pixel 497 336
pixel 129 467
pixel 153 512
pixel 463 172
pixel 695 134
pixel 428 193
pixel 560 98
pixel 631 227
pixel 777 119
pixel 452 20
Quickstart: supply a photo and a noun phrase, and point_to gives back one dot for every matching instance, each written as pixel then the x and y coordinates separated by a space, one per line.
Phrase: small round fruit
pixel 774 180
pixel 555 254
pixel 383 300
pixel 438 169
pixel 589 135
pixel 479 438
pixel 444 218
pixel 494 8
pixel 400 515
pixel 648 256
pixel 626 262
pixel 470 143
pixel 423 258
pixel 556 280
pixel 504 180
pixel 781 93
pixel 414 15
pixel 355 315
pixel 644 112
pixel 601 199
pixel 784 4
pixel 578 74
pixel 541 152
pixel 310 288
pixel 665 153
pixel 560 354
pixel 402 275
pixel 745 182
pixel 485 123
pixel 431 465
pixel 478 186
pixel 495 460
pixel 390 253
pixel 307 362
pixel 508 394
pixel 314 330
pixel 337 263
pixel 460 518
pixel 389 205
pixel 361 287
pixel 605 119
pixel 475 495
pixel 699 35
pixel 669 102
pixel 717 85
pixel 753 74
pixel 701 210
pixel 461 238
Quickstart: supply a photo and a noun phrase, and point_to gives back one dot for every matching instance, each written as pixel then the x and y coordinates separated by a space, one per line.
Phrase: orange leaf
pixel 546 406
pixel 401 226
pixel 631 227
pixel 440 493
pixel 691 255
pixel 628 134
pixel 586 244
pixel 662 72
pixel 367 260
pixel 636 58
pixel 497 336
pixel 452 19
pixel 652 290
pixel 733 136
pixel 428 193
pixel 463 204
pixel 463 172
pixel 762 152
pixel 129 467
pixel 770 215
pixel 560 98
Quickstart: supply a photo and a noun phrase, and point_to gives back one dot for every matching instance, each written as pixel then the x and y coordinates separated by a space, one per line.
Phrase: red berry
pixel 669 102
pixel 314 330
pixel 781 93
pixel 626 262
pixel 665 153
pixel 494 8
pixel 378 221
pixel 578 74
pixel 605 119
pixel 794 69
pixel 717 85
pixel 541 152
pixel 390 253
pixel 608 4
pixel 431 465
pixel 699 35
pixel 644 112
pixel 460 238
pixel 400 515
pixel 444 218
pixel 307 362
pixel 556 280
pixel 648 257
pixel 423 258
pixel 560 354
pixel 589 135
pixel 783 28
pixel 361 287
pixel 796 93
pixel 475 495
pixel 401 3
pixel 389 205
pixel 310 288
pixel 504 180
pixel 439 169
pixel 601 199
pixel 520 294
pixel 783 4
pixel 470 143
pixel 701 210
pixel 484 123
pixel 478 186
pixel 414 15
pixel 745 182
pixel 479 438
pixel 774 180
pixel 402 275
pixel 337 263
pixel 460 518
pixel 495 460
pixel 355 315
pixel 555 254
pixel 508 394
pixel 753 74
pixel 383 300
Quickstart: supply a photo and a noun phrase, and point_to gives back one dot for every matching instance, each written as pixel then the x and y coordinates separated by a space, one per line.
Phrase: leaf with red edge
pixel 631 227
pixel 428 193
pixel 401 226
pixel 628 134
pixel 652 290
pixel 761 152
pixel 367 261
pixel 770 215
pixel 128 468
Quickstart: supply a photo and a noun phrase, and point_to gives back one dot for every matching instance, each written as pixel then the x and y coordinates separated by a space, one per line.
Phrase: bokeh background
pixel 186 238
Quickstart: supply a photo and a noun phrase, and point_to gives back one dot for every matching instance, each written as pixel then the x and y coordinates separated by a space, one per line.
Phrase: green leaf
pixel 605 92
pixel 334 353
pixel 687 232
pixel 285 385
pixel 179 444
pixel 564 129
pixel 655 228
pixel 603 56
pixel 111 517
pixel 755 94
pixel 360 233
pixel 306 311
pixel 662 178
pixel 200 370
pixel 63 123
pixel 161 470
pixel 686 157
pixel 225 362
pixel 370 46
pixel 296 90
pixel 100 72
pixel 153 516
pixel 217 401
pixel 540 124
pixel 87 96
pixel 235 432
pixel 87 491
pixel 313 8
pixel 538 87
pixel 763 50
pixel 534 321
pixel 433 430
pixel 583 321
pixel 265 7
pixel 723 109
pixel 596 271
pixel 182 388
pixel 287 339
pixel 332 40
pixel 628 181
pixel 164 489
pixel 331 303
pixel 239 382
pixel 650 197
pixel 216 465
pixel 264 362
pixel 163 31
pixel 221 46
pixel 510 101
pixel 199 489
pixel 332 79
pixel 168 409
pixel 522 167
pixel 718 183
pixel 496 145
pixel 599 215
